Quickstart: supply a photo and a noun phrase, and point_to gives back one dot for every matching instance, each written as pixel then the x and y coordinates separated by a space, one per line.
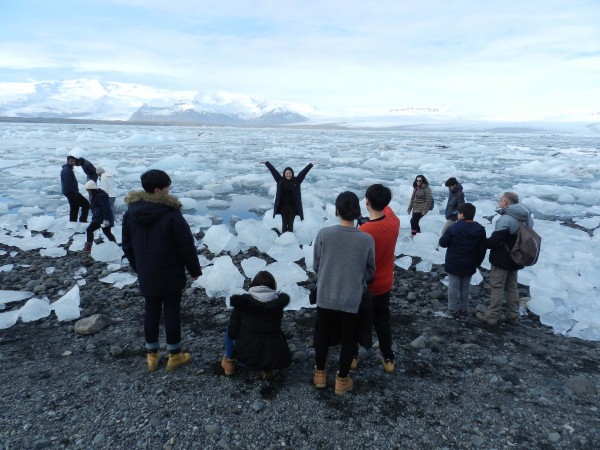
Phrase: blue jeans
pixel 229 345
pixel 458 292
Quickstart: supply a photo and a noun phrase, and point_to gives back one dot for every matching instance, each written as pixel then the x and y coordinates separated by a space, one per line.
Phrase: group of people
pixel 354 267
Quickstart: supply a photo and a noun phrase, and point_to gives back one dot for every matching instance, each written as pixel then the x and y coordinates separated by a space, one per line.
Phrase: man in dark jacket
pixel 88 168
pixel 503 274
pixel 160 246
pixel 70 189
pixel 456 197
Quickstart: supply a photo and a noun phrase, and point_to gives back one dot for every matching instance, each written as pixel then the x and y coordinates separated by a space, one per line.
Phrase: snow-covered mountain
pixel 93 99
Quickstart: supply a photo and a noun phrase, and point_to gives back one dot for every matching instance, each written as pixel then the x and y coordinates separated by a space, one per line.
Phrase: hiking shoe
pixel 153 359
pixel 320 378
pixel 228 365
pixel 87 248
pixel 388 365
pixel 354 363
pixel 482 318
pixel 343 385
pixel 269 374
pixel 178 360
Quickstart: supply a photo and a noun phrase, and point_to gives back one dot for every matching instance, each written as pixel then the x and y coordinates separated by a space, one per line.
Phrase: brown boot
pixel 320 378
pixel 87 248
pixel 228 365
pixel 343 385
pixel 178 360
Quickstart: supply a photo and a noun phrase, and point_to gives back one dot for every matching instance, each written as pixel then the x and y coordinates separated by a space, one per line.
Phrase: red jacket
pixel 385 234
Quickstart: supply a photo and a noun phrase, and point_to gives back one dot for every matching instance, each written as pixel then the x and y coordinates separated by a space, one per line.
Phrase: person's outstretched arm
pixel 276 175
pixel 303 172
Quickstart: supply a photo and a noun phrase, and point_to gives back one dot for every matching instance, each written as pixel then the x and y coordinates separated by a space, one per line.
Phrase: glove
pixel 105 224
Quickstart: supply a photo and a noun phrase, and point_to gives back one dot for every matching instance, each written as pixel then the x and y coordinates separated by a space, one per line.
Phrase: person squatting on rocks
pixel 420 203
pixel 503 274
pixel 254 339
pixel 107 184
pixel 466 244
pixel 88 168
pixel 456 197
pixel 160 246
pixel 70 189
pixel 383 226
pixel 288 198
pixel 102 215
pixel 344 261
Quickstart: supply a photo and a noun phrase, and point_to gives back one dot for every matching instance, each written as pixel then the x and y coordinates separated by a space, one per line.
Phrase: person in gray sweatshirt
pixel 344 260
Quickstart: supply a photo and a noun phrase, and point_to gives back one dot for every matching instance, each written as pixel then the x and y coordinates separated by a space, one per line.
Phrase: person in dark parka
pixel 102 215
pixel 88 168
pixel 254 338
pixel 467 245
pixel 70 189
pixel 288 198
pixel 160 246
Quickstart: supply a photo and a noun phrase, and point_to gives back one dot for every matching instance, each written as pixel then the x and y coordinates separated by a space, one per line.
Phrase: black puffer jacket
pixel 466 245
pixel 295 183
pixel 256 328
pixel 158 243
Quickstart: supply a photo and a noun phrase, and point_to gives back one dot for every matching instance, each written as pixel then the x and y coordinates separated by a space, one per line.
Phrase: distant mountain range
pixel 95 100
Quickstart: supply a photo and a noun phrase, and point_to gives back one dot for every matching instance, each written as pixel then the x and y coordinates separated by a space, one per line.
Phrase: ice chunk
pixel 67 307
pixel 119 279
pixel 6 267
pixel 218 239
pixel 476 278
pixel 107 251
pixel 252 266
pixel 8 319
pixel 40 223
pixel 424 266
pixel 224 187
pixel 35 309
pixel 53 252
pixel 298 297
pixel 404 262
pixel 14 296
pixel 308 251
pixel 286 273
pixel 217 204
pixel 221 278
pixel 50 270
pixel 286 248
pixel 187 203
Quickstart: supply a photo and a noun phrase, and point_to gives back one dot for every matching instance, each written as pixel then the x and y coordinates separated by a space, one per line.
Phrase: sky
pixel 520 60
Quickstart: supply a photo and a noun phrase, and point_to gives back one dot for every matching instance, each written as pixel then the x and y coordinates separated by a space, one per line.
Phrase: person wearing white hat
pixel 102 215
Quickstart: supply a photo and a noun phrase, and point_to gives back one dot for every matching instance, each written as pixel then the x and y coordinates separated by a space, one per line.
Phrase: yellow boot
pixel 153 359
pixel 342 385
pixel 178 360
pixel 320 378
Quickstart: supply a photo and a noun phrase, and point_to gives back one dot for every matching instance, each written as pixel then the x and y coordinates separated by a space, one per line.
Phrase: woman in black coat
pixel 102 215
pixel 254 338
pixel 288 199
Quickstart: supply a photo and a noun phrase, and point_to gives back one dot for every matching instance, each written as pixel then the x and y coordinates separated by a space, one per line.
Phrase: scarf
pixel 263 294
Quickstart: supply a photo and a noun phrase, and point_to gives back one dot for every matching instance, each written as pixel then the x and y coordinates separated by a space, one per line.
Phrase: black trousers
pixel 77 201
pixel 95 226
pixel 288 214
pixel 328 321
pixel 414 223
pixel 382 324
pixel 155 305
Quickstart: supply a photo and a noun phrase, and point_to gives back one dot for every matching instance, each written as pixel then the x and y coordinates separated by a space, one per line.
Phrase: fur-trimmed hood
pixel 245 303
pixel 145 209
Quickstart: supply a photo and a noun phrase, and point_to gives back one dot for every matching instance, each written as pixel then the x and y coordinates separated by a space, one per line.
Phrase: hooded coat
pixel 158 243
pixel 256 328
pixel 293 184
pixel 505 235
pixel 100 207
pixel 68 181
pixel 456 197
pixel 466 244
pixel 420 201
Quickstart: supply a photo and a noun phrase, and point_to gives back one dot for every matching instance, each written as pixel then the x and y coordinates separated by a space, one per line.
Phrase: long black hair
pixel 423 183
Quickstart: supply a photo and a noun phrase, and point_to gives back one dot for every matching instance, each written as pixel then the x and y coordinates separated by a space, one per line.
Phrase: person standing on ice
pixel 288 199
pixel 70 189
pixel 420 203
pixel 102 215
pixel 160 246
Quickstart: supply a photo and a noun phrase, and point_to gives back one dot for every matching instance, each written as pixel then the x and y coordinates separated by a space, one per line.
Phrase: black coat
pixel 466 245
pixel 456 197
pixel 256 328
pixel 498 242
pixel 100 207
pixel 89 169
pixel 295 188
pixel 158 243
pixel 68 181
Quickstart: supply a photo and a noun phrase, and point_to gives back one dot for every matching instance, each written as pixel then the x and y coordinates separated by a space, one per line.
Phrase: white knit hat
pixel 91 185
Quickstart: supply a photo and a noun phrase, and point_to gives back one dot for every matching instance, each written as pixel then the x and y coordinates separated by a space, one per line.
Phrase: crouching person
pixel 160 246
pixel 254 339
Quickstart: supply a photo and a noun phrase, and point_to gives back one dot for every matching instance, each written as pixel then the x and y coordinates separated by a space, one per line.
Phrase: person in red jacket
pixel 383 225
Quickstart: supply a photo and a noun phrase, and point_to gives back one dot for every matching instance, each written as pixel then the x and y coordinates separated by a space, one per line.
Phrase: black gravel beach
pixel 457 384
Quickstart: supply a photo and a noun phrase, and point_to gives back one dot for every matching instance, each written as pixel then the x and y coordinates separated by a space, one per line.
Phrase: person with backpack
pixel 421 202
pixel 503 274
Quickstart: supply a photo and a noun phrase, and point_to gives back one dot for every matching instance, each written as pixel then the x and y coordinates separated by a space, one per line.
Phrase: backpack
pixel 526 250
